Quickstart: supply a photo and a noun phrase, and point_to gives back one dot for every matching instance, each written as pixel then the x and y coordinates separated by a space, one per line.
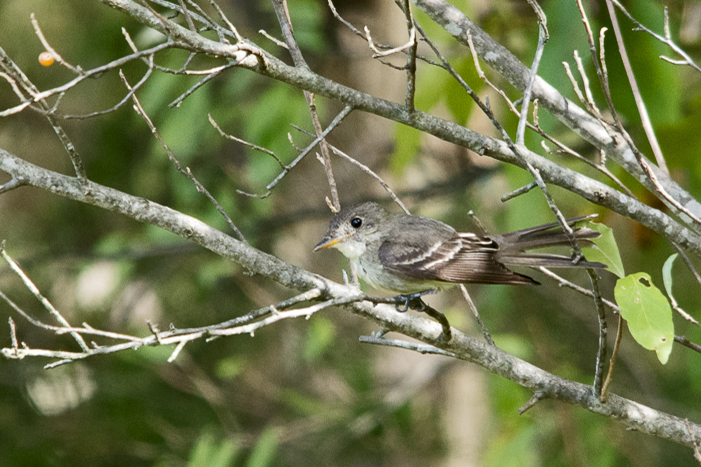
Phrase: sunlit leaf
pixel 605 249
pixel 321 334
pixel 647 313
pixel 667 273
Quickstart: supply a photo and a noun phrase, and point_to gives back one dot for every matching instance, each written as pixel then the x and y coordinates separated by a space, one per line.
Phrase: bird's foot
pixel 411 301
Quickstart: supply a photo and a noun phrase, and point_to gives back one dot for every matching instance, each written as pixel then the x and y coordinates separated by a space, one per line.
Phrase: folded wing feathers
pixel 463 258
pixel 466 257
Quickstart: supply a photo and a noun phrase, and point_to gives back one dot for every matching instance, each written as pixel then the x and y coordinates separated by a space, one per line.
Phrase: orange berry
pixel 46 58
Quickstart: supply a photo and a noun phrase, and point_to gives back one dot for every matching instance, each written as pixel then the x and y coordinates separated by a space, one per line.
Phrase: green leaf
pixel 300 403
pixel 321 334
pixel 667 273
pixel 515 345
pixel 647 313
pixel 230 367
pixel 207 452
pixel 264 452
pixel 605 249
pixel 407 142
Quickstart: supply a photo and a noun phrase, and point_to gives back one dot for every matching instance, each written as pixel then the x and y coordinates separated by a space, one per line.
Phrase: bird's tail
pixel 514 245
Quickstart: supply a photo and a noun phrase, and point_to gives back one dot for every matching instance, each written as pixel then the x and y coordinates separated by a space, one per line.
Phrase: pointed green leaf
pixel 605 249
pixel 647 313
pixel 667 273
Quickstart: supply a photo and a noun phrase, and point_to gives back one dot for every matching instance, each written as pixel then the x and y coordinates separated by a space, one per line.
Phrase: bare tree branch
pixel 585 125
pixel 585 187
pixel 631 414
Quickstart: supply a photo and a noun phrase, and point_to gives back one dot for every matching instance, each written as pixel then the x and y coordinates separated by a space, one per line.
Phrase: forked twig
pixel 186 171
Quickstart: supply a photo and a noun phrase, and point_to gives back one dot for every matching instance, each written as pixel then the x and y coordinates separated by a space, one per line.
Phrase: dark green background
pixel 307 392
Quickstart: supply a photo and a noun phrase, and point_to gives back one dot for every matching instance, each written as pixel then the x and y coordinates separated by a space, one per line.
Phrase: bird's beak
pixel 328 241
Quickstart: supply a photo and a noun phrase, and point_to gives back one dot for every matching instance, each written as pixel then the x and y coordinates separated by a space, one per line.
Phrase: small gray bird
pixel 412 254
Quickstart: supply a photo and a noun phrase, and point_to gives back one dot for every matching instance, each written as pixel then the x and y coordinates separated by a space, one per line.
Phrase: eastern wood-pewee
pixel 412 254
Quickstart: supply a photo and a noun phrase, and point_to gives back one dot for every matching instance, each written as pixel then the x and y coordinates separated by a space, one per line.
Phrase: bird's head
pixel 353 228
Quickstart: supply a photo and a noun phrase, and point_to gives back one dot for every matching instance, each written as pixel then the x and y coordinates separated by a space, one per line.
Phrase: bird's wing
pixel 448 257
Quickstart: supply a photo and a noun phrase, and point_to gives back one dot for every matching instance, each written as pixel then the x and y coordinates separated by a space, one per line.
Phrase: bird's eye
pixel 356 222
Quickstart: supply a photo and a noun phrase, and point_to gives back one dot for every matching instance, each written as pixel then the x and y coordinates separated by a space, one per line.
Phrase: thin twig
pixel 23 81
pixel 542 39
pixel 51 50
pixel 121 102
pixel 188 18
pixel 642 109
pixel 176 352
pixel 678 309
pixel 405 5
pixel 11 185
pixel 384 53
pixel 667 39
pixel 325 156
pixel 571 285
pixel 687 261
pixel 478 223
pixel 283 17
pixel 589 102
pixel 277 42
pixel 186 171
pixel 362 167
pixel 535 398
pixel 13 333
pixel 687 343
pixel 336 121
pixel 43 300
pixel 234 31
pixel 175 336
pixel 60 330
pixel 662 193
pixel 16 109
pixel 101 69
pixel 603 331
pixel 421 348
pixel 211 74
pixel 518 192
pixel 601 167
pixel 246 143
pixel 360 34
pixel 478 318
pixel 612 362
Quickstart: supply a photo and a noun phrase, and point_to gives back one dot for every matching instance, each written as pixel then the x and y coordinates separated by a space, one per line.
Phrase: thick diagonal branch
pixel 592 190
pixel 630 413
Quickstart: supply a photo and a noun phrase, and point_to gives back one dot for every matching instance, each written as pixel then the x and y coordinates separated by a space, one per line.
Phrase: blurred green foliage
pixel 306 392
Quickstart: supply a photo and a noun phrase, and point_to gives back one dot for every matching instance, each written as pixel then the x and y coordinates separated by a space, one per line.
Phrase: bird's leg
pixel 411 301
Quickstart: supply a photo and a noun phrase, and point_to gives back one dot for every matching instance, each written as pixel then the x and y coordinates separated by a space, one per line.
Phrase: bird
pixel 415 255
